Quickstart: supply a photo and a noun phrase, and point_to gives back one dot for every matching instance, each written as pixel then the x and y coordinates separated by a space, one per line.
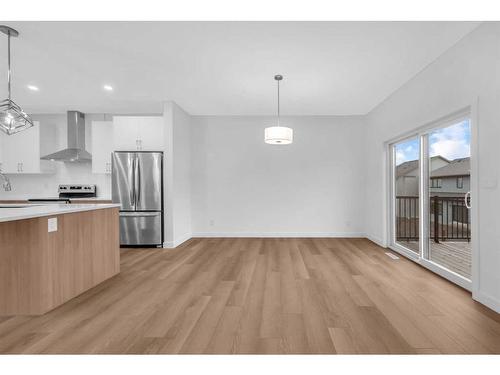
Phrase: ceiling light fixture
pixel 33 88
pixel 107 88
pixel 12 118
pixel 278 135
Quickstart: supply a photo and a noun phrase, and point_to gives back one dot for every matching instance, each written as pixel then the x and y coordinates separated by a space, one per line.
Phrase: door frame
pixel 422 132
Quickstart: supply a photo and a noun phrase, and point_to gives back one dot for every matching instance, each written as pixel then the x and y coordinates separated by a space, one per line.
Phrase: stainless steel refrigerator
pixel 137 184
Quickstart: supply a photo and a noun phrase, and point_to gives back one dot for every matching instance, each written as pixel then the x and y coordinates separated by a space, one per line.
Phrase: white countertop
pixel 39 210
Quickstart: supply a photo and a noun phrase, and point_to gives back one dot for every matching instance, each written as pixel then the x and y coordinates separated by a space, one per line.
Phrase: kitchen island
pixel 52 253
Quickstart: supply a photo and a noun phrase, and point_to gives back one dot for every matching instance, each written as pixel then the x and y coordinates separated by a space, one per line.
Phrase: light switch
pixel 52 224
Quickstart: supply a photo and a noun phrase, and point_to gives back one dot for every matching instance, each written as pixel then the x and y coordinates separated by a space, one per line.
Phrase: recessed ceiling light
pixel 107 88
pixel 33 88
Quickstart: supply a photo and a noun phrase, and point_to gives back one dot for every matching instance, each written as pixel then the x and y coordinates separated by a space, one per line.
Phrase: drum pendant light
pixel 12 118
pixel 278 135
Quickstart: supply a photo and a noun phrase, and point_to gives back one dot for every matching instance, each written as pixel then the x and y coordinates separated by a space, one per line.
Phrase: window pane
pixel 406 184
pixel 449 217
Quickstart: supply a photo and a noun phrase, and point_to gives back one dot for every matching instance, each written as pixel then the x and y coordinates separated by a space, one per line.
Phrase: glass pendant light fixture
pixel 278 135
pixel 12 118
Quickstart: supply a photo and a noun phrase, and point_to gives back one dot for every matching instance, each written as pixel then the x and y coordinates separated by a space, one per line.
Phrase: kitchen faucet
pixel 6 184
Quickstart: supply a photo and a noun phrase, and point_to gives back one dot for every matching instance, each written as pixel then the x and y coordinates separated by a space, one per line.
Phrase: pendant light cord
pixel 8 64
pixel 278 103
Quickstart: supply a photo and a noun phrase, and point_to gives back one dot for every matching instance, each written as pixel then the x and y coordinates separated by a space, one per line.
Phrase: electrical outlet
pixel 212 222
pixel 52 224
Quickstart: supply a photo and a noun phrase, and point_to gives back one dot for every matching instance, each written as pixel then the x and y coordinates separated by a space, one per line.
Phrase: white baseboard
pixel 173 244
pixel 487 300
pixel 187 236
pixel 377 240
pixel 281 234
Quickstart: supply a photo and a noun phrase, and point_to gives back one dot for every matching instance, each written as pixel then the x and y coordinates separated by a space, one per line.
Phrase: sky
pixel 451 142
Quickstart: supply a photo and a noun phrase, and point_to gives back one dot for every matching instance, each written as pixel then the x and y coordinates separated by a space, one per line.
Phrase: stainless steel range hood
pixel 75 151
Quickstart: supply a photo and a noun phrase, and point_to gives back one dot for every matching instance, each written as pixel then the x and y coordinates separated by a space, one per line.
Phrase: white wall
pixel 242 186
pixel 177 175
pixel 467 74
pixel 182 174
pixel 53 133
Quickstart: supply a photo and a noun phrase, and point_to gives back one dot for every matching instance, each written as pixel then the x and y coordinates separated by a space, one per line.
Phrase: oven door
pixel 140 228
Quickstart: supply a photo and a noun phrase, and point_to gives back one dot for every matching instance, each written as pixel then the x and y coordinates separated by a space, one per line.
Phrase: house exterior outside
pixel 452 179
pixel 407 175
pixel 449 182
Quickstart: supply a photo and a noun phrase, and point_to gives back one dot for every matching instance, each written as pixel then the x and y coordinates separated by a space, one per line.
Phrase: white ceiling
pixel 220 68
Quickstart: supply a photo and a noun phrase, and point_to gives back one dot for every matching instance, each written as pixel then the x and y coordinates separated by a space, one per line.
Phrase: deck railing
pixel 448 219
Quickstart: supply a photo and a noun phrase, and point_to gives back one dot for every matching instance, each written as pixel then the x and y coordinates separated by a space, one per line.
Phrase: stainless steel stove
pixel 77 191
pixel 67 192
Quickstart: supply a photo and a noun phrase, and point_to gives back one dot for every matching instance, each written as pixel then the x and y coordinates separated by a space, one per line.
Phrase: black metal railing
pixel 449 219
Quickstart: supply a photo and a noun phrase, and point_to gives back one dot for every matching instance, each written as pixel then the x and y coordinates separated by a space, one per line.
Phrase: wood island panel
pixel 40 270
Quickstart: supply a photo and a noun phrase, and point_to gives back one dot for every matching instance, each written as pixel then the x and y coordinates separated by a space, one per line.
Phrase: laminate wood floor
pixel 241 295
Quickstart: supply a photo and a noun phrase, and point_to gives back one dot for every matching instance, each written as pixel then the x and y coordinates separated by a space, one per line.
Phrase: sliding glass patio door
pixel 448 234
pixel 430 198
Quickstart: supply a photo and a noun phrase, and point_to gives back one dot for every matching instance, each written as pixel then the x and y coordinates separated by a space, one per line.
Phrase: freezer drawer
pixel 140 228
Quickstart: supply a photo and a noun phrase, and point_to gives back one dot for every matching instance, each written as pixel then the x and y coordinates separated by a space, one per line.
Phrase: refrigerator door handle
pixel 138 174
pixel 136 179
pixel 132 191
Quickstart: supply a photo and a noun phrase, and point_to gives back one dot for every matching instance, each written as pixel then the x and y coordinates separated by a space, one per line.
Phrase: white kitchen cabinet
pixel 151 133
pixel 102 146
pixel 20 153
pixel 125 133
pixel 138 133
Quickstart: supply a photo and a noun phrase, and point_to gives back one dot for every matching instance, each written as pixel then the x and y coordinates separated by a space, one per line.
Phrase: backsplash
pixel 45 185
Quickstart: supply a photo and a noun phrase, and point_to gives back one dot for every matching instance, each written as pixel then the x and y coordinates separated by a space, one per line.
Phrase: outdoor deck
pixel 456 256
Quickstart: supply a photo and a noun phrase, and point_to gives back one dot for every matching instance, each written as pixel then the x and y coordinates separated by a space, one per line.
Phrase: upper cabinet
pixel 137 133
pixel 102 146
pixel 20 153
pixel 124 133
